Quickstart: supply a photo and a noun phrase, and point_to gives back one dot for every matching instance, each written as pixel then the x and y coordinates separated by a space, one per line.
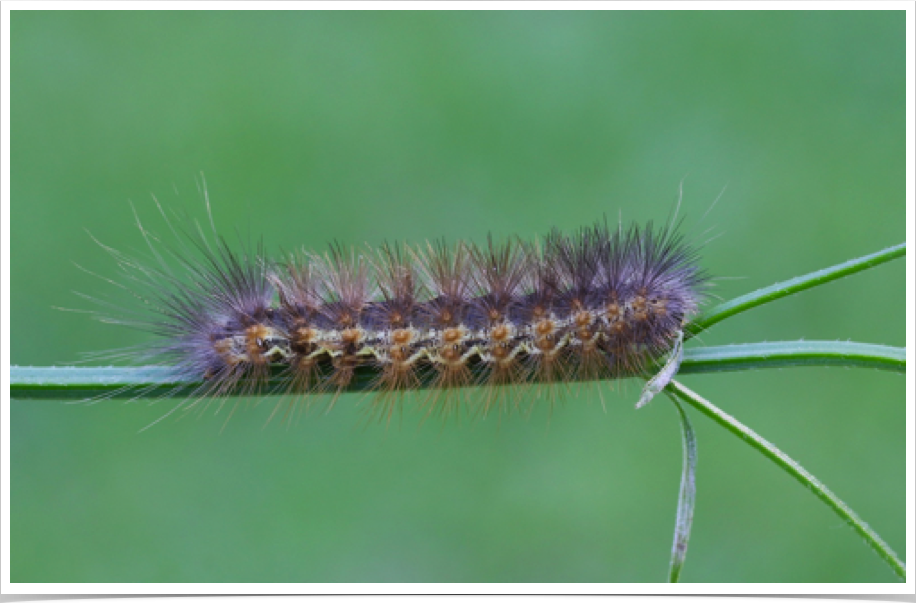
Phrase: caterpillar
pixel 598 303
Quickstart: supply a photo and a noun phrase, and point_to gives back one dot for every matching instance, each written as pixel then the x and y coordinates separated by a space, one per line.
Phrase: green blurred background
pixel 369 126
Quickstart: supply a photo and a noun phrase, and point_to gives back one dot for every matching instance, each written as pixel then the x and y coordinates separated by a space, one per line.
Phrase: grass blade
pixel 781 354
pixel 80 383
pixel 686 498
pixel 795 470
pixel 794 285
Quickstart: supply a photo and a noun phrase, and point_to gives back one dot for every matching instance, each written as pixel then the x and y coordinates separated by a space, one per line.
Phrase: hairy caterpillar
pixel 597 303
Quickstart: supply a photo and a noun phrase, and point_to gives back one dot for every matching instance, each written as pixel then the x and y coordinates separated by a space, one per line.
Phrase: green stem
pixel 794 469
pixel 152 382
pixel 794 285
pixel 779 354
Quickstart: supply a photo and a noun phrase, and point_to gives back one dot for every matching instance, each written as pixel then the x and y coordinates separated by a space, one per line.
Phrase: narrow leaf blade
pixel 686 497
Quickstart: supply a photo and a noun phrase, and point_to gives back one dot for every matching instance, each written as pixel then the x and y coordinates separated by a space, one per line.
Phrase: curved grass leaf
pixel 686 497
pixel 794 285
pixel 781 459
